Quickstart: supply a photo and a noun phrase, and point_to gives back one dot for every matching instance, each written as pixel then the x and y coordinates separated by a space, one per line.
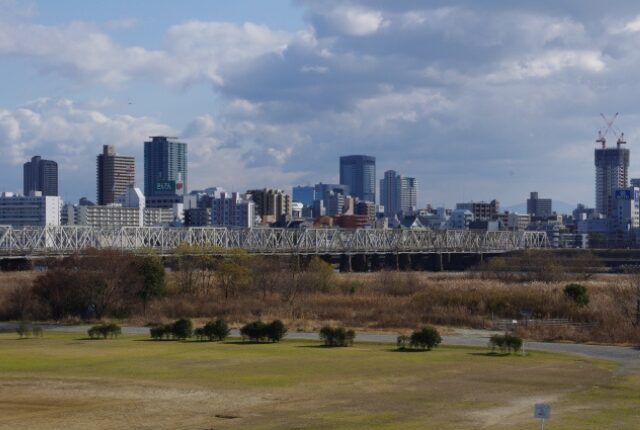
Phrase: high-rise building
pixel 40 175
pixel 232 211
pixel 612 173
pixel 398 194
pixel 359 173
pixel 165 171
pixel 115 173
pixel 408 194
pixel 539 207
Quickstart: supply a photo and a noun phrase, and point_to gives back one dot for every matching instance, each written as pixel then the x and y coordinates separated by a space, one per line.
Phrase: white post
pixel 542 424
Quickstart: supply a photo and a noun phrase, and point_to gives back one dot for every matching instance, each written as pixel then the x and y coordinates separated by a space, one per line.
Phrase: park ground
pixel 64 381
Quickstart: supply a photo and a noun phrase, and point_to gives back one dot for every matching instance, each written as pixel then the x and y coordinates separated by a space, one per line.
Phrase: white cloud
pixel 356 21
pixel 195 51
pixel 549 63
pixel 430 91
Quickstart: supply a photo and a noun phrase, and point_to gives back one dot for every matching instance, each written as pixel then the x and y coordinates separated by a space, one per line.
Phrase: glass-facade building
pixel 165 171
pixel 40 175
pixel 359 173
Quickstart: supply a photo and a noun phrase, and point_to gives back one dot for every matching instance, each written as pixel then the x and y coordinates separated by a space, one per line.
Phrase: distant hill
pixel 558 206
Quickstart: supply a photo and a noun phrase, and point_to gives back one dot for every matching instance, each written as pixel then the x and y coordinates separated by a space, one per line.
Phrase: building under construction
pixel 612 169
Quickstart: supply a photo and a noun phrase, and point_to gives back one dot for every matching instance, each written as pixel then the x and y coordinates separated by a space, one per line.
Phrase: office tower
pixel 271 204
pixel 115 173
pixel 165 171
pixel 538 207
pixel 408 194
pixel 359 173
pixel 612 172
pixel 398 194
pixel 40 175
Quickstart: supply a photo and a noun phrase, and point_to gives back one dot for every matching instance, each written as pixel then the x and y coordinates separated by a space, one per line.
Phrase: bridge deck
pixel 64 240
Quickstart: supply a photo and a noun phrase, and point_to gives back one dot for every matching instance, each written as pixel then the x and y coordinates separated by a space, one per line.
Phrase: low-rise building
pixel 33 210
pixel 460 219
pixel 481 210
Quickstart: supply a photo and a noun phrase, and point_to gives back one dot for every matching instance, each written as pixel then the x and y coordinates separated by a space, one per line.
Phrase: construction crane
pixel 602 133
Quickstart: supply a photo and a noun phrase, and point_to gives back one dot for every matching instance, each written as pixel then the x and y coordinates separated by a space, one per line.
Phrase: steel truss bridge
pixel 65 240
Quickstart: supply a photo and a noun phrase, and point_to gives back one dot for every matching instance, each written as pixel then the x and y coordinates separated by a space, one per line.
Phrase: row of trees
pixel 180 329
pixel 96 284
pixel 104 330
pixel 505 342
pixel 337 336
pixel 203 271
pixel 258 331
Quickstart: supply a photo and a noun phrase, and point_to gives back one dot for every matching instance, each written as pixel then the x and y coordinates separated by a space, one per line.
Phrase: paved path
pixel 627 357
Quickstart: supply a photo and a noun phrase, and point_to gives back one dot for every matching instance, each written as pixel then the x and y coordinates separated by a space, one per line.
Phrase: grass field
pixel 65 382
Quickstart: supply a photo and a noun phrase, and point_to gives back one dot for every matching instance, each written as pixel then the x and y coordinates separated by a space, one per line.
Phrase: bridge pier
pixel 345 263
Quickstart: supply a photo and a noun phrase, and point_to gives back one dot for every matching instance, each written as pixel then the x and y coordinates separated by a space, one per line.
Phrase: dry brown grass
pixel 405 300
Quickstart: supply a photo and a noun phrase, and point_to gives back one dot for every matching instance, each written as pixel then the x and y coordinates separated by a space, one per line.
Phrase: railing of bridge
pixel 63 240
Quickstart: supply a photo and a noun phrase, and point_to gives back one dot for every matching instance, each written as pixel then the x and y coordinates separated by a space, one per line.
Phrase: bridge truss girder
pixel 64 240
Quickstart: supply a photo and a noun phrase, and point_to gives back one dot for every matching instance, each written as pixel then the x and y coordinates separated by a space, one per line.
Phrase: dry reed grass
pixel 405 300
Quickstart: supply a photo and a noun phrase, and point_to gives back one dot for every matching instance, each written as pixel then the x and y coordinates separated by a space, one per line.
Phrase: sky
pixel 478 100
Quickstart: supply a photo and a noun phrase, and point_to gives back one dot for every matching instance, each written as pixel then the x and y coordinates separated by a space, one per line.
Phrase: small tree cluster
pixel 425 338
pixel 27 330
pixel 217 330
pixel 258 331
pixel 180 329
pixel 337 336
pixel 505 342
pixel 577 293
pixel 104 330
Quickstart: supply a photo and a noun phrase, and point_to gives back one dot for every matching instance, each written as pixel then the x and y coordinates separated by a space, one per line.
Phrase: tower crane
pixel 602 133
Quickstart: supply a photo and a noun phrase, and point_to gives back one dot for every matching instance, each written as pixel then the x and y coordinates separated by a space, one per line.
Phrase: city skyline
pixel 493 109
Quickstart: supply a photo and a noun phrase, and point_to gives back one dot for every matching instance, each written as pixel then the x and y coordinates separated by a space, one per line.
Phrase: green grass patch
pixel 65 381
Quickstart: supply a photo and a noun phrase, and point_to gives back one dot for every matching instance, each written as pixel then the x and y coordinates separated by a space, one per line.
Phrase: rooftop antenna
pixel 602 135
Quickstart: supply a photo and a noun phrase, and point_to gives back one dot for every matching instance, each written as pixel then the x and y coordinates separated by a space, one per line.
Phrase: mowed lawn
pixel 64 382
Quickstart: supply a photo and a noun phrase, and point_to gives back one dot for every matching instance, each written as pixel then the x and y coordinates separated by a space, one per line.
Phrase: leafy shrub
pixel 216 330
pixel 104 330
pixel 275 331
pixel 182 329
pixel 179 329
pixel 425 338
pixel 160 332
pixel 577 293
pixel 337 336
pixel 199 333
pixel 505 342
pixel 258 331
pixel 254 331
